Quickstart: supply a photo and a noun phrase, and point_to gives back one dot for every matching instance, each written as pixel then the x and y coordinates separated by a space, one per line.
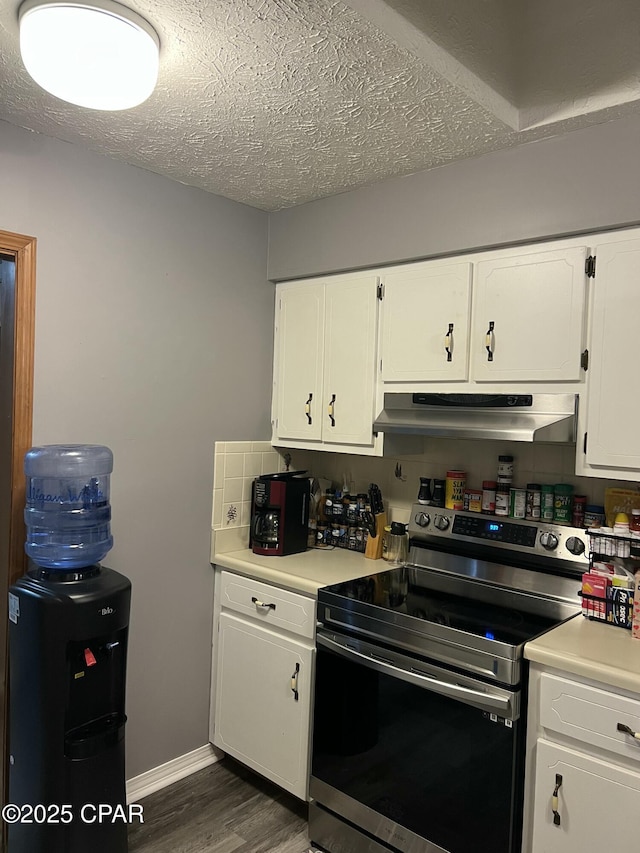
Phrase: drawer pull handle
pixel 554 800
pixel 294 682
pixel 332 409
pixel 489 341
pixel 628 731
pixel 262 604
pixel 307 408
pixel 448 342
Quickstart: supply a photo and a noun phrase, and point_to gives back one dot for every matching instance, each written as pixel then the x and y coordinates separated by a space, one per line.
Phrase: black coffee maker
pixel 280 513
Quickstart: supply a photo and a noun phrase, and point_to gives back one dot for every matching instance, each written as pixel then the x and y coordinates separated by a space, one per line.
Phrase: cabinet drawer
pixel 589 715
pixel 268 605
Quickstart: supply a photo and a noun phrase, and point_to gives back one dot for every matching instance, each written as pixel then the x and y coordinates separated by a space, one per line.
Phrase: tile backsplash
pixel 237 463
pixel 399 478
pixel 235 466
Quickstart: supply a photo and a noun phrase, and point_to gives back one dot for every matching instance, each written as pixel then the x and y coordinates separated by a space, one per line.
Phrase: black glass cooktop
pixel 412 592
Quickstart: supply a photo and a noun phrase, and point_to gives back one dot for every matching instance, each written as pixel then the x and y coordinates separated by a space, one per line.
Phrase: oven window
pixel 438 767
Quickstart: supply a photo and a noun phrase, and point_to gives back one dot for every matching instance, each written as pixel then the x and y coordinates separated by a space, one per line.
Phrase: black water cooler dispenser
pixel 68 632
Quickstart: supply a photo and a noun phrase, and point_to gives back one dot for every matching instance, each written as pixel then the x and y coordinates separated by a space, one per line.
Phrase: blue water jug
pixel 67 513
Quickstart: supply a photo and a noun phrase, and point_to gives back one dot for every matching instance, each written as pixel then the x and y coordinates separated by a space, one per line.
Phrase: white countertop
pixel 305 572
pixel 580 646
pixel 591 649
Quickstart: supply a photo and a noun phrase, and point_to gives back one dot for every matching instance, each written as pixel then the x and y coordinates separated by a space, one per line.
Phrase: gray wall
pixel 582 181
pixel 154 337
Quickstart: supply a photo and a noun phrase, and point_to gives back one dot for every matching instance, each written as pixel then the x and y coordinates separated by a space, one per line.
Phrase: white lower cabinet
pixel 583 773
pixel 598 803
pixel 263 678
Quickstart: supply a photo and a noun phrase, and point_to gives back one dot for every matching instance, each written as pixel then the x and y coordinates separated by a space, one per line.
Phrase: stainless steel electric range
pixel 420 695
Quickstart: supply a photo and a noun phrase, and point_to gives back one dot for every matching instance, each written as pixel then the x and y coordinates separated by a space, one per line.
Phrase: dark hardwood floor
pixel 224 808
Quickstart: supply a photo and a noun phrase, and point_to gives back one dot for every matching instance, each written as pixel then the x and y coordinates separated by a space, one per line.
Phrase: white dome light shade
pixel 98 55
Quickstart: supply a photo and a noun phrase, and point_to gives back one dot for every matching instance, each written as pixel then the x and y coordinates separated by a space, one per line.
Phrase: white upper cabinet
pixel 613 402
pixel 351 320
pixel 325 370
pixel 529 316
pixel 426 322
pixel 506 316
pixel 300 354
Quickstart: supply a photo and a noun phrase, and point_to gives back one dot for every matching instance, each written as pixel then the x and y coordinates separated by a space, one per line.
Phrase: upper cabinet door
pixel 613 403
pixel 300 350
pixel 529 317
pixel 351 318
pixel 426 323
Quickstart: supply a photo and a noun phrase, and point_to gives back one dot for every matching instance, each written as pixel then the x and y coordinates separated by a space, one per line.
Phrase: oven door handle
pixel 488 699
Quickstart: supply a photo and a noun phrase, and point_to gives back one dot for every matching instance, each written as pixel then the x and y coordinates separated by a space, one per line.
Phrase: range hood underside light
pixel 551 418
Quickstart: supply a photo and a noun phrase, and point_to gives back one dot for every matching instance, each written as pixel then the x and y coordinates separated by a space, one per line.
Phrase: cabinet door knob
pixel 489 342
pixel 294 682
pixel 307 408
pixel 554 800
pixel 448 342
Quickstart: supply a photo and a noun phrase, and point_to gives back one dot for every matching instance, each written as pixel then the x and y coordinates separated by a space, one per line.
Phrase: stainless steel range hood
pixel 507 417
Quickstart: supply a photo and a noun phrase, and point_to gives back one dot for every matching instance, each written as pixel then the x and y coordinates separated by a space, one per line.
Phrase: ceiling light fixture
pixel 95 54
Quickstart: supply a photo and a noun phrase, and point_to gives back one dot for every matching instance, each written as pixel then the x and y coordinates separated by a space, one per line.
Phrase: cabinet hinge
pixel 381 291
pixel 590 266
pixel 584 360
pixel 584 443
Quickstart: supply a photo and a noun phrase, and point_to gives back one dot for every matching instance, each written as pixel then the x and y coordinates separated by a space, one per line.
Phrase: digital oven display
pixel 496 531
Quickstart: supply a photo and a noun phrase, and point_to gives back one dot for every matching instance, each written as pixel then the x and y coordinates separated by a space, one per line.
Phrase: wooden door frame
pixel 13 564
pixel 23 251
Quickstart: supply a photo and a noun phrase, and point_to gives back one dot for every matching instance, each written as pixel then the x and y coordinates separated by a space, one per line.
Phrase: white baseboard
pixel 174 770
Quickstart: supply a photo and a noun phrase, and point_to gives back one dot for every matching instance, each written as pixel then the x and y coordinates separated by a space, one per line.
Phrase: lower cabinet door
pixel 598 803
pixel 263 700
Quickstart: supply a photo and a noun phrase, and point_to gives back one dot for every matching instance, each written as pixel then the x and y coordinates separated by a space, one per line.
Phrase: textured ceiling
pixel 277 102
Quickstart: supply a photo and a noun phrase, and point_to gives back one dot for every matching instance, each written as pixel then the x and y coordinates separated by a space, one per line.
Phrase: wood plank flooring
pixel 224 808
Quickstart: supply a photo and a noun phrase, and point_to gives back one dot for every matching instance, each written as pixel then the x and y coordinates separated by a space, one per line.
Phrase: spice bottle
pixel 534 501
pixel 634 532
pixel 454 489
pixel 489 496
pixel 546 503
pixel 505 469
pixel 438 493
pixel 517 503
pixel 577 514
pixel 562 495
pixel 502 498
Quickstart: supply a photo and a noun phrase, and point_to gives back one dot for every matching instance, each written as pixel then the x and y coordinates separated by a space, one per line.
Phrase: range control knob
pixel 575 546
pixel 549 541
pixel 422 519
pixel 441 522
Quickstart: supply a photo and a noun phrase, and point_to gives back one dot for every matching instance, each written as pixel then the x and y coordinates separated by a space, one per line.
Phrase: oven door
pixel 413 754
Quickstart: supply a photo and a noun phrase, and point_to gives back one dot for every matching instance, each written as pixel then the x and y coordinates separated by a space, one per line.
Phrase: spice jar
pixel 546 503
pixel 562 494
pixel 577 514
pixel 489 496
pixel 502 498
pixel 454 489
pixel 438 493
pixel 634 532
pixel 593 515
pixel 517 503
pixel 505 469
pixel 534 501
